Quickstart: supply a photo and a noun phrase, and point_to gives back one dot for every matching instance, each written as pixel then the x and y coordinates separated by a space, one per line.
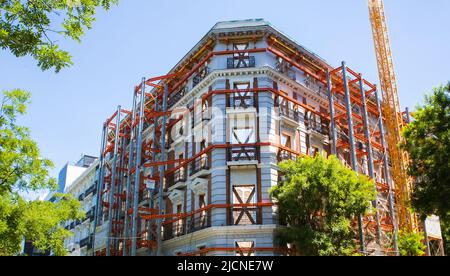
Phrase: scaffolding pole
pixel 352 146
pixel 386 175
pixel 161 170
pixel 152 169
pixel 332 114
pixel 130 165
pixel 370 154
pixel 113 182
pixel 137 173
pixel 99 187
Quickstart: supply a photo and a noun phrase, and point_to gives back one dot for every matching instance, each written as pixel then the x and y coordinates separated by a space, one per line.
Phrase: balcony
pixel 241 61
pixel 198 222
pixel 86 242
pixel 285 68
pixel 183 226
pixel 89 191
pixel 294 115
pixel 179 176
pixel 200 164
pixel 242 154
pixel 284 155
pixel 317 125
pixel 90 215
pixel 242 100
pixel 174 229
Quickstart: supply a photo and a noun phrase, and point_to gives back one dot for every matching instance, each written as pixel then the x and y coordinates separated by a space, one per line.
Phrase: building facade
pixel 193 177
pixel 84 189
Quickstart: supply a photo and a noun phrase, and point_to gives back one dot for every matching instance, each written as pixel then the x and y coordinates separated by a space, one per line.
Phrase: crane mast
pixel 393 116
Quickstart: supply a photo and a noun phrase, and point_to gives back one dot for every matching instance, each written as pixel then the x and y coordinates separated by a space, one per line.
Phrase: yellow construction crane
pixel 393 115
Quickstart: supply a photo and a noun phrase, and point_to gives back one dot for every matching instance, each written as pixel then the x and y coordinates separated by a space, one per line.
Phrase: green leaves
pixel 37 221
pixel 49 56
pixel 427 140
pixel 29 28
pixel 21 166
pixel 410 244
pixel 23 169
pixel 45 231
pixel 319 200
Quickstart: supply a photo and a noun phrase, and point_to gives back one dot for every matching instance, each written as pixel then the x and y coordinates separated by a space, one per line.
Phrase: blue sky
pixel 146 38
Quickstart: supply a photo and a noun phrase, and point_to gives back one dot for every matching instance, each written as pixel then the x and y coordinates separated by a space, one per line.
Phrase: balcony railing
pixel 199 164
pixel 241 62
pixel 242 153
pixel 290 113
pixel 86 242
pixel 174 229
pixel 177 177
pixel 198 222
pixel 90 215
pixel 285 68
pixel 284 155
pixel 187 225
pixel 242 100
pixel 318 126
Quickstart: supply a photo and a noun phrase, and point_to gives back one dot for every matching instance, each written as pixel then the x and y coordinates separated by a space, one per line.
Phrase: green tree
pixel 427 140
pixel 22 169
pixel 30 27
pixel 319 201
pixel 410 244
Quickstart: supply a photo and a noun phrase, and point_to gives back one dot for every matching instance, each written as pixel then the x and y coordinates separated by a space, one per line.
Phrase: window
pixel 286 141
pixel 205 111
pixel 245 248
pixel 179 222
pixel 201 205
pixel 244 215
pixel 244 135
pixel 243 98
pixel 242 58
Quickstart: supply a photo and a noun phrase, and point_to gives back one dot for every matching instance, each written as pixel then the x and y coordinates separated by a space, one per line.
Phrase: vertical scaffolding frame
pixel 129 181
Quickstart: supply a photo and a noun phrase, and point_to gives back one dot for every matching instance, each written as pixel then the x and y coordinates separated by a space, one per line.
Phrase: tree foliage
pixel 37 221
pixel 427 140
pixel 319 201
pixel 30 27
pixel 23 169
pixel 410 244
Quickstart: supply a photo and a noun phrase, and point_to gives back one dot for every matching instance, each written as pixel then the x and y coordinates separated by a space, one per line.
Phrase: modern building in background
pixel 84 189
pixel 193 177
pixel 70 172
